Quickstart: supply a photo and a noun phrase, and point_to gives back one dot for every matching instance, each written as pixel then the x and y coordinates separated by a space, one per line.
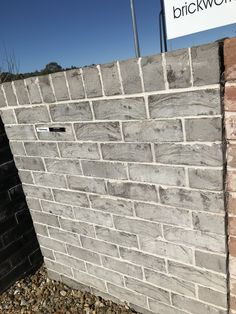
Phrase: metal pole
pixel 135 31
pixel 164 24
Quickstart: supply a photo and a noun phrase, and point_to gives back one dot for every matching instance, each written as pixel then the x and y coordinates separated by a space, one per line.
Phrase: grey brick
pixel 153 131
pixel 105 296
pixel 71 198
pixel 99 246
pixel 209 179
pixel 41 149
pixel 79 150
pixel 10 95
pixel 29 163
pixel 33 204
pixel 64 236
pixel 106 274
pixel 134 191
pixel 127 152
pixel 25 176
pixel 170 283
pixel 143 259
pixel 127 295
pixel 49 180
pixel 191 199
pixel 116 237
pixel 153 73
pixel 122 267
pixel 84 184
pixel 83 254
pixel 61 269
pixel 17 148
pixel 53 275
pixel 158 247
pixel 120 109
pixel 57 209
pixel 212 297
pixel 41 230
pixel 203 130
pixel 137 226
pixel 194 306
pixel 178 68
pixel 199 276
pixel 8 116
pixel 193 155
pixel 100 132
pixel 38 192
pixel 75 84
pixel 70 261
pixel 33 89
pixel 46 89
pixel 52 244
pixel 47 253
pixel 60 88
pixel 63 166
pixel 92 81
pixel 115 206
pixel 92 216
pixel 163 214
pixel 68 135
pixel 157 174
pixel 32 115
pixel 77 227
pixel 195 103
pixel 2 99
pixel 130 76
pixel 206 64
pixel 20 132
pixel 160 308
pixel 74 284
pixel 100 169
pixel 21 92
pixel 209 223
pixel 71 112
pixel 211 261
pixel 111 81
pixel 44 218
pixel 90 280
pixel 148 290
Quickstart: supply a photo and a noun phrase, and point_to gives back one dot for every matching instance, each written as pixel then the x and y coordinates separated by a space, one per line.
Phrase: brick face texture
pixel 19 249
pixel 128 202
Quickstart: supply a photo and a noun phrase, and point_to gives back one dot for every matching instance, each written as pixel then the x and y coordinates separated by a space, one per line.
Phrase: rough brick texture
pixel 19 249
pixel 128 202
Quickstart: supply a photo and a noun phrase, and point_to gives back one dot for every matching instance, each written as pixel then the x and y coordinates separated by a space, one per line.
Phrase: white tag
pixel 42 130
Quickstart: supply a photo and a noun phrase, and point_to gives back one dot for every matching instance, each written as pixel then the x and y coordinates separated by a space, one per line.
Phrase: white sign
pixel 184 17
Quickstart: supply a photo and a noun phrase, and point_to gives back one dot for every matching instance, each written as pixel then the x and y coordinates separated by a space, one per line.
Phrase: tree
pixel 51 68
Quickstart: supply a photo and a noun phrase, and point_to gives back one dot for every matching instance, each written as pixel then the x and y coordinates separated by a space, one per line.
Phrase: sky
pixel 84 32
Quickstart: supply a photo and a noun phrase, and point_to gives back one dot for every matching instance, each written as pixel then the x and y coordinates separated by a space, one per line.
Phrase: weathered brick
pixel 116 237
pixel 29 163
pixel 46 89
pixel 33 90
pixel 206 64
pixel 98 132
pixel 232 247
pixel 17 148
pixel 106 274
pixel 231 155
pixel 163 214
pixel 136 191
pixel 20 132
pixel 232 226
pixel 57 209
pixel 157 307
pixel 192 199
pixel 212 297
pixel 41 217
pixel 79 150
pixel 77 227
pixel 120 109
pixel 61 269
pixel 52 244
pixel 75 83
pixel 41 149
pixel 130 76
pixel 70 261
pixel 47 253
pixel 127 152
pixel 83 254
pixel 8 116
pixel 195 103
pixel 64 236
pixel 84 184
pixel 60 88
pixel 209 179
pixel 50 180
pixel 157 174
pixel 231 203
pixel 90 280
pixel 209 223
pixel 71 112
pixel 71 198
pixel 153 131
pixel 54 275
pixel 41 230
pixel 178 68
pixel 111 81
pixel 68 135
pixel 211 261
pixel 203 130
pixel 21 92
pixel 74 284
pixel 92 216
pixel 153 76
pixel 100 246
pixel 231 180
pixel 230 59
pixel 33 204
pixel 2 99
pixel 25 176
pixel 230 97
pixel 10 95
pixel 63 166
pixel 92 81
pixel 193 155
pixel 101 169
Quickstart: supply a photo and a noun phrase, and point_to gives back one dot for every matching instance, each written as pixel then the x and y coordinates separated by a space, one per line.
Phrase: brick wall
pixel 230 119
pixel 19 248
pixel 128 202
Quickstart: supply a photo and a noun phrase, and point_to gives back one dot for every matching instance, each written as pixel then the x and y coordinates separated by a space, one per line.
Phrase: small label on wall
pixel 42 130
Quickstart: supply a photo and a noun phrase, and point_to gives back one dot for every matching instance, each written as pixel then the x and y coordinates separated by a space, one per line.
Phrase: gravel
pixel 40 295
